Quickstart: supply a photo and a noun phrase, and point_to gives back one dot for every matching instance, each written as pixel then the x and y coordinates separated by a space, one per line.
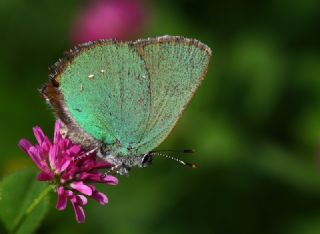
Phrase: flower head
pixel 71 169
pixel 115 19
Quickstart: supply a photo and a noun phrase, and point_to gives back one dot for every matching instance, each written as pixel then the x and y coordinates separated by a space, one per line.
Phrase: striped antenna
pixel 173 158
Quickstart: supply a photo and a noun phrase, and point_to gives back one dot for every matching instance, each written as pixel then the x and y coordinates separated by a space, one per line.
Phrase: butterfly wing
pixel 127 95
pixel 176 66
pixel 104 87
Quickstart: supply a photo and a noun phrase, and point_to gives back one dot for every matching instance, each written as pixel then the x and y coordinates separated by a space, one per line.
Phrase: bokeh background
pixel 255 121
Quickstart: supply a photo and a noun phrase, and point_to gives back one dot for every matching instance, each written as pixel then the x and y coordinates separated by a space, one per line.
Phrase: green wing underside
pixel 130 96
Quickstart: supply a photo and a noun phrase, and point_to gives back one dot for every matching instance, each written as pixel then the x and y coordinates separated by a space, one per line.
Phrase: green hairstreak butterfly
pixel 122 99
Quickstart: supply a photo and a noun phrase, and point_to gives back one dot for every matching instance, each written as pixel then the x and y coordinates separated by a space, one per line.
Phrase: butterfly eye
pixel 147 160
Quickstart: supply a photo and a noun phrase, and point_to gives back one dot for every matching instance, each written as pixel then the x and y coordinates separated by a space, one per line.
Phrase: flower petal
pixel 53 154
pixel 57 134
pixel 91 177
pixel 111 180
pixel 78 210
pixel 70 172
pixel 44 176
pixel 98 178
pixel 39 135
pixel 63 164
pixel 35 156
pixel 61 146
pixel 25 145
pixel 74 150
pixel 81 200
pixel 81 187
pixel 100 197
pixel 62 198
pixel 91 164
pixel 42 139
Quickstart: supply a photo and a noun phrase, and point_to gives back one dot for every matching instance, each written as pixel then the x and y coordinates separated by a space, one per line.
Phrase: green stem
pixel 32 206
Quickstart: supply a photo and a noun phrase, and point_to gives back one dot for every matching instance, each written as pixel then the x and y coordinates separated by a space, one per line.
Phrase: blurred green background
pixel 255 121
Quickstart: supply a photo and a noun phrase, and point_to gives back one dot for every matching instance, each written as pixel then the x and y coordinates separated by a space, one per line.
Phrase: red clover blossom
pixel 71 169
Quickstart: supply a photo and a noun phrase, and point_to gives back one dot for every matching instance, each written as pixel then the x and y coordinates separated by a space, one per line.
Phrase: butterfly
pixel 122 99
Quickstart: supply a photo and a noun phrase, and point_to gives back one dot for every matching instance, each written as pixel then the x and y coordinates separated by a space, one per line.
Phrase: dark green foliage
pixel 17 193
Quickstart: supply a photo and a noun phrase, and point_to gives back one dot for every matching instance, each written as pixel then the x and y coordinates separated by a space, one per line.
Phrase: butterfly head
pixel 123 164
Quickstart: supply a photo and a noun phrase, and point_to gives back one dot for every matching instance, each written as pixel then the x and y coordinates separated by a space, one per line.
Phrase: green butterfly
pixel 122 99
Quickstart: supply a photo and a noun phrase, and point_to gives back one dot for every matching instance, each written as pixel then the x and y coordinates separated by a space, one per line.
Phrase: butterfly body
pixel 124 98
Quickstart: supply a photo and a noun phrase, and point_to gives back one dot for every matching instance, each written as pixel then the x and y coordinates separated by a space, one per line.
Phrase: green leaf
pixel 17 192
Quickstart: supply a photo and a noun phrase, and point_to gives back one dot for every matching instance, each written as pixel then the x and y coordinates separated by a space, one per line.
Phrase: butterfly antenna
pixel 175 159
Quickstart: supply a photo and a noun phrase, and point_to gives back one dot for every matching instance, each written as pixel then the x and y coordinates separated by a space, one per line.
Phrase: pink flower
pixel 69 168
pixel 109 19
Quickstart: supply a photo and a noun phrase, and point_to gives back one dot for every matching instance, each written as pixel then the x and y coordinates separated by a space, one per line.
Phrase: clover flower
pixel 69 168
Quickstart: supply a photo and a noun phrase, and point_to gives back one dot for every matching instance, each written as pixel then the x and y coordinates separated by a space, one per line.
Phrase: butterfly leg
pixel 117 169
pixel 85 154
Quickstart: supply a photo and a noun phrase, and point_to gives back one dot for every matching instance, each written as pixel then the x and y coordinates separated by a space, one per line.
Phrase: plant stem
pixel 31 207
